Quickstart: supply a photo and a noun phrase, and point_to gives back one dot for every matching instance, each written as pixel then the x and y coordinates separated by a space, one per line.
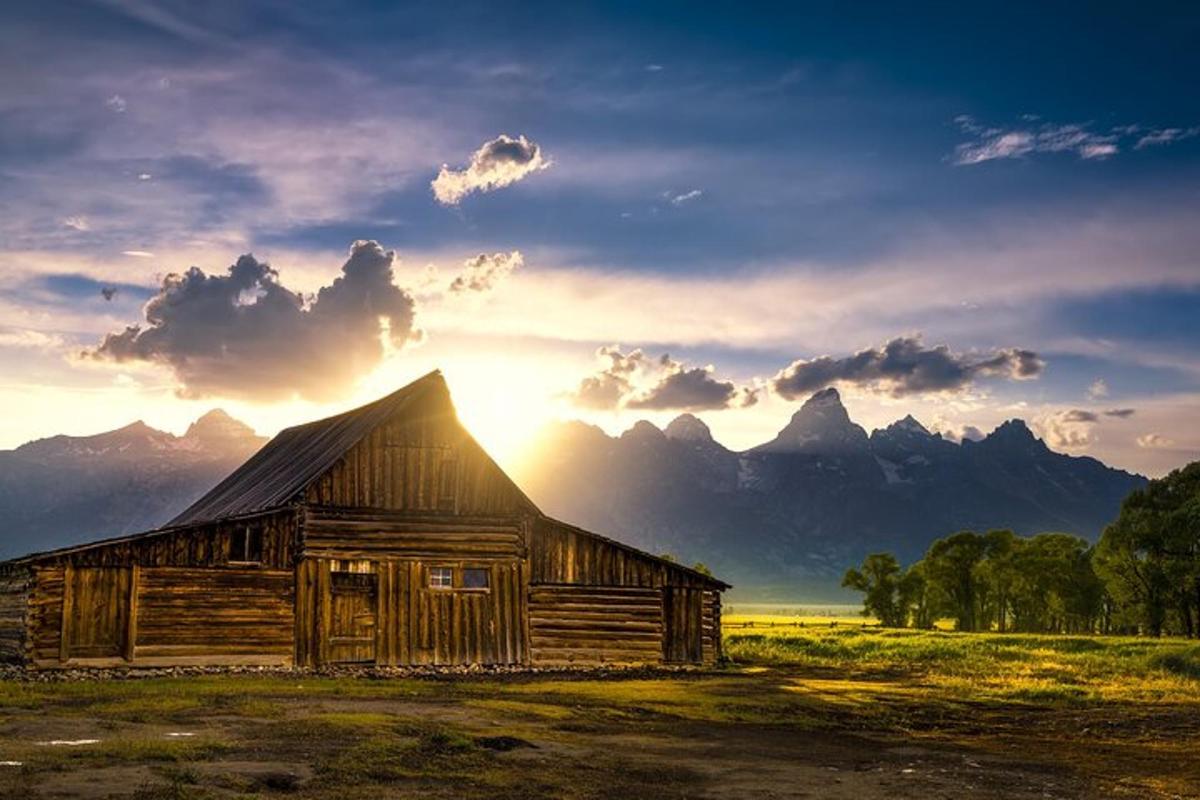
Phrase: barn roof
pixel 297 456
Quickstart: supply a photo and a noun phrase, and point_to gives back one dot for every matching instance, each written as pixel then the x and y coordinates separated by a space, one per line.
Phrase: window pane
pixel 441 578
pixel 475 579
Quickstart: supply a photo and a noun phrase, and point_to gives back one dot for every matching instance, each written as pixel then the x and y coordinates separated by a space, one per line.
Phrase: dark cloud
pixel 904 366
pixel 483 272
pixel 500 162
pixel 672 385
pixel 108 292
pixel 1080 415
pixel 244 334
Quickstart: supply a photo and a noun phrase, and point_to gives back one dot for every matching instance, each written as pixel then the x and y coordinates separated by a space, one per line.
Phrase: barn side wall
pixel 397 618
pixel 591 601
pixel 176 598
pixel 14 604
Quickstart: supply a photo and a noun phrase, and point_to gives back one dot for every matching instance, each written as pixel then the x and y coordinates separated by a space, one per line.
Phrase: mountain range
pixel 784 519
pixel 65 490
pixel 781 520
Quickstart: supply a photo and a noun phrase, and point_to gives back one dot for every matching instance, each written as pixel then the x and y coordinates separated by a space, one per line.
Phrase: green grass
pixel 1032 668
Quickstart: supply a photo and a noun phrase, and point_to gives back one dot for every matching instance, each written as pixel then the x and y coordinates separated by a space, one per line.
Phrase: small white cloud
pixel 498 163
pixel 1098 150
pixel 484 271
pixel 654 68
pixel 138 253
pixel 685 197
pixel 117 104
pixel 77 223
pixel 1098 389
pixel 1154 441
pixel 144 176
pixel 992 143
pixel 1165 136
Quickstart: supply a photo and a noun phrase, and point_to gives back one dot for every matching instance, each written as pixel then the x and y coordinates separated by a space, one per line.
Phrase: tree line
pixel 1143 576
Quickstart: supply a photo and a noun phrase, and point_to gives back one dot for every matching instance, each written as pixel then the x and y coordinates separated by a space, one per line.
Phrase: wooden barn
pixel 384 535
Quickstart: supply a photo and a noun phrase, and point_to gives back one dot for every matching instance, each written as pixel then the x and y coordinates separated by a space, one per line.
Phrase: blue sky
pixel 745 188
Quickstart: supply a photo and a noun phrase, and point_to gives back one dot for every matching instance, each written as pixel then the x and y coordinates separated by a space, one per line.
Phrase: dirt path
pixel 710 736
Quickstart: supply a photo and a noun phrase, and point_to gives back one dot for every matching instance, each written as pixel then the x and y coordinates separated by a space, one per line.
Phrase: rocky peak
pixel 643 430
pixel 1012 436
pixel 822 424
pixel 688 428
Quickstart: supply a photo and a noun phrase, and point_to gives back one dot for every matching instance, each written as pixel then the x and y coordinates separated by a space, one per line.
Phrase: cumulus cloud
pixel 1068 430
pixel 244 334
pixel 634 380
pixel 960 434
pixel 483 272
pixel 989 143
pixel 905 366
pixel 1155 441
pixel 116 103
pixel 691 389
pixel 498 163
pixel 1098 389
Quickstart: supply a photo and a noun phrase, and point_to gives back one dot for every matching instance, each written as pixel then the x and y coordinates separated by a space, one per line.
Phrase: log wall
pixel 422 462
pixel 593 625
pixel 562 554
pixel 14 595
pixel 200 546
pixel 214 616
pixel 415 624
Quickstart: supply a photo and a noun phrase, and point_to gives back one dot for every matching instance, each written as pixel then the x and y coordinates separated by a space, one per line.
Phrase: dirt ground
pixel 760 733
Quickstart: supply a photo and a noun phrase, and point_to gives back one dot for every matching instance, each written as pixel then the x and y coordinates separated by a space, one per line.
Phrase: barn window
pixel 441 578
pixel 474 578
pixel 246 545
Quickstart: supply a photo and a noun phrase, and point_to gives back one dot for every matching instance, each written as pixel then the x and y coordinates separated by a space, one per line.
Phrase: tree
pixel 1149 557
pixel 950 568
pixel 880 581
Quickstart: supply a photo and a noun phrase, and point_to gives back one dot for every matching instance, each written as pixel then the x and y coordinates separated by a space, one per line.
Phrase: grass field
pixel 817 712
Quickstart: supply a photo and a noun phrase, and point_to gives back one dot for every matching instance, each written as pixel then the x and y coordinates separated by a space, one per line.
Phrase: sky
pixel 605 212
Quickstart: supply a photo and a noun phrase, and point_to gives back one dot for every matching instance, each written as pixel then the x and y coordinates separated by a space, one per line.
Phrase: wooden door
pixel 353 597
pixel 96 612
pixel 683 624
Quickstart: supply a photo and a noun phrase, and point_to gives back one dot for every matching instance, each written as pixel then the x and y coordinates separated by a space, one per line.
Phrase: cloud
pixel 138 253
pixel 904 366
pixel 685 197
pixel 77 223
pixel 1155 441
pixel 1165 136
pixel 1120 413
pixel 484 271
pixel 992 143
pixel 501 162
pixel 1098 389
pixel 1068 430
pixel 634 380
pixel 693 389
pixel 117 104
pixel 244 334
pixel 108 292
pixel 960 434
